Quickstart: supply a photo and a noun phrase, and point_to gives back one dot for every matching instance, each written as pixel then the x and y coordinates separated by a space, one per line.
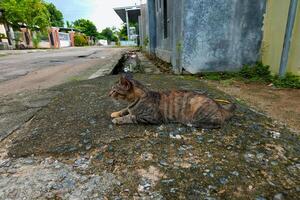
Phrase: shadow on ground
pixel 249 158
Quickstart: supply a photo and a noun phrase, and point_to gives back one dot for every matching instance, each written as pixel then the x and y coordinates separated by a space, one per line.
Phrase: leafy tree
pixel 86 26
pixel 122 33
pixel 32 13
pixel 109 34
pixel 56 17
pixel 69 24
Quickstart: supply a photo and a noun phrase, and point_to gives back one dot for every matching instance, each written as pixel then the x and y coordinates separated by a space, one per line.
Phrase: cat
pixel 177 106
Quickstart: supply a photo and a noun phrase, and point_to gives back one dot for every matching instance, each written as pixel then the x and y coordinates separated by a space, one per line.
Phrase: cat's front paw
pixel 115 121
pixel 115 115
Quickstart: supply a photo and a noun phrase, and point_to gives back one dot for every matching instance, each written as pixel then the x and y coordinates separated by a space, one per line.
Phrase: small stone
pixel 175 136
pixel 146 156
pixel 86 141
pixel 110 161
pixel 211 141
pixel 260 156
pixel 5 163
pixel 110 127
pixel 223 180
pixel 167 181
pixel 278 196
pixel 235 173
pixel 163 163
pixel 110 148
pixel 173 190
pixel 88 147
pixel 274 163
pixel 200 139
pixel 275 134
pixel 249 157
pixel 260 198
pixel 161 128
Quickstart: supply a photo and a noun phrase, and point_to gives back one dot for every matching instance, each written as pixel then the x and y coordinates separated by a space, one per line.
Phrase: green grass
pixel 257 73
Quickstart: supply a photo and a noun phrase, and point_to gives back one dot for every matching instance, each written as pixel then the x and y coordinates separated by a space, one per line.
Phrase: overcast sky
pixel 99 11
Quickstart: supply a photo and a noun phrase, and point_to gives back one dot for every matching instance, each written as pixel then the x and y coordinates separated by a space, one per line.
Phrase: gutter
pixel 288 37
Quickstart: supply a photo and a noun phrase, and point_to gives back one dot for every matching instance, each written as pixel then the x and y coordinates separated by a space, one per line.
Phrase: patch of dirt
pixel 280 104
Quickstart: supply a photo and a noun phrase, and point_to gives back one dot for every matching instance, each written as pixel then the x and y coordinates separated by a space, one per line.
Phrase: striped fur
pixel 176 106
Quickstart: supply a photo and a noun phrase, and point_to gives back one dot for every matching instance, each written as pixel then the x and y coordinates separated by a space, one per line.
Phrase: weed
pixel 256 73
pixel 288 81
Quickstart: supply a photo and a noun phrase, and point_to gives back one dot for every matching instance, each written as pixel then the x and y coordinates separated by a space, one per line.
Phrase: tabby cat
pixel 186 107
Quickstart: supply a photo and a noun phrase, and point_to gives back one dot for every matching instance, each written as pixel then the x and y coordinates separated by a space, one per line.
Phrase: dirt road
pixel 40 70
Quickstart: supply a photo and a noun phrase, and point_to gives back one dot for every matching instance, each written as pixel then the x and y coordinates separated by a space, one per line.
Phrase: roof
pixel 69 29
pixel 133 13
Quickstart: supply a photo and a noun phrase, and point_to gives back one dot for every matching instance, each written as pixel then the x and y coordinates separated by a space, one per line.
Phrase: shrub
pixel 36 40
pixel 80 40
pixel 257 72
pixel 288 81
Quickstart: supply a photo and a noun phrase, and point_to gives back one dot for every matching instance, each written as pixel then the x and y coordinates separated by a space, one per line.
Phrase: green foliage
pixel 86 26
pixel 217 76
pixel 288 81
pixel 33 13
pixel 258 72
pixel 146 41
pixel 56 17
pixel 36 40
pixel 80 40
pixel 69 24
pixel 109 34
pixel 122 33
pixel 2 36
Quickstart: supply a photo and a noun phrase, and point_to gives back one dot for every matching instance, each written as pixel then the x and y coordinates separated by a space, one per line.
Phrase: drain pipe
pixel 288 37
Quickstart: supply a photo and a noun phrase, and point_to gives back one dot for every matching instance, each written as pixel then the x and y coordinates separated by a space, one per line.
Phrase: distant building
pixel 130 15
pixel 221 35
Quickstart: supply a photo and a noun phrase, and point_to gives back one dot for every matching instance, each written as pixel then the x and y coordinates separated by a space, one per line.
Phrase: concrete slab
pixel 250 157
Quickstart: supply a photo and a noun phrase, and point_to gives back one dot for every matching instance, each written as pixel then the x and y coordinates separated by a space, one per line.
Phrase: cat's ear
pixel 125 82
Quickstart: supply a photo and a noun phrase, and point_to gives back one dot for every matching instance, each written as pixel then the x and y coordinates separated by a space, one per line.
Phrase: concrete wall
pixel 144 28
pixel 166 48
pixel 274 30
pixel 221 35
pixel 163 44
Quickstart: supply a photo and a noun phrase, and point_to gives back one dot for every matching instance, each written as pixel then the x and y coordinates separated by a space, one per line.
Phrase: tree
pixel 86 26
pixel 109 34
pixel 56 17
pixel 122 33
pixel 69 24
pixel 32 13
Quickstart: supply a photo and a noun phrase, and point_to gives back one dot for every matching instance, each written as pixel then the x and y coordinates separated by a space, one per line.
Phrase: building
pixel 220 35
pixel 130 15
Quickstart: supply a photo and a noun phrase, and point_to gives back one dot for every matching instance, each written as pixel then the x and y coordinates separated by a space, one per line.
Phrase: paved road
pixel 44 69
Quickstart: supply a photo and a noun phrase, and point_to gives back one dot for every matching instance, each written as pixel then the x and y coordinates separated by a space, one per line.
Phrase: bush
pixel 257 72
pixel 80 40
pixel 288 81
pixel 36 40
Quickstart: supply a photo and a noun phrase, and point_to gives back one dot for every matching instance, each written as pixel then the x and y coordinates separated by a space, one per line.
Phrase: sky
pixel 98 11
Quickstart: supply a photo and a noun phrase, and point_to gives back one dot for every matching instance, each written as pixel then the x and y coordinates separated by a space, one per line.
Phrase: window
pixel 165 9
